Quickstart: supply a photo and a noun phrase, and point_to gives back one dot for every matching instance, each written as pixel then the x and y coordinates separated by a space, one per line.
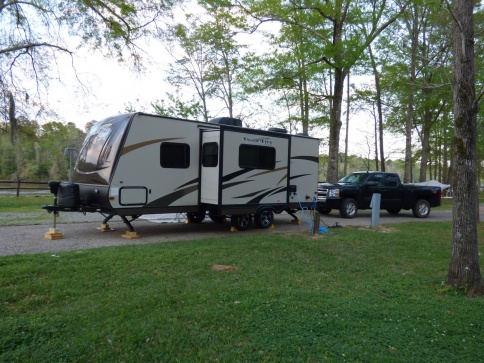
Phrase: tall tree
pixel 34 35
pixel 192 56
pixel 337 27
pixel 379 111
pixel 298 86
pixel 464 270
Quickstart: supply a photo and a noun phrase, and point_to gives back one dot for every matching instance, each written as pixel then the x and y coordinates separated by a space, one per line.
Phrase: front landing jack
pixel 54 233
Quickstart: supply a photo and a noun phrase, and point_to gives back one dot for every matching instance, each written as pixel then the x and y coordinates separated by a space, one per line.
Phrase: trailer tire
pixel 196 217
pixel 217 218
pixel 264 218
pixel 348 208
pixel 394 210
pixel 421 209
pixel 241 221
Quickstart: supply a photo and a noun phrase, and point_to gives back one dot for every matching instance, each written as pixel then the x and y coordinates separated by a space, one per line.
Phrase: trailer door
pixel 210 167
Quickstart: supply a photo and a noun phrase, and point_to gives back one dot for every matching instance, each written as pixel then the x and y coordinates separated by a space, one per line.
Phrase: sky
pixel 111 87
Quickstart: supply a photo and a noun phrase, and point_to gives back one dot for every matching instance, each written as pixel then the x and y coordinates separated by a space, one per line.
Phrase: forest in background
pixel 302 68
pixel 40 154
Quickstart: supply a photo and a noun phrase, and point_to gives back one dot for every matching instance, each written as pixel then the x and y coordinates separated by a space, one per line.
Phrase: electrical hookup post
pixel 375 209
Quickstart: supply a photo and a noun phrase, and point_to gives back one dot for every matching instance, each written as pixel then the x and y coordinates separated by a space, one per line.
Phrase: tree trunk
pixel 375 132
pixel 347 123
pixel 464 271
pixel 414 31
pixel 12 119
pixel 335 125
pixel 379 108
pixel 425 140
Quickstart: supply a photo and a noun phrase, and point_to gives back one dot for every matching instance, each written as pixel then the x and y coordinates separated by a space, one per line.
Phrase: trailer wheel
pixel 241 221
pixel 421 209
pixel 394 210
pixel 196 217
pixel 348 208
pixel 216 217
pixel 264 218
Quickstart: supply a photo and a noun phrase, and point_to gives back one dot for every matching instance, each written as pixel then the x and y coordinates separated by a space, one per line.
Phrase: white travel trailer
pixel 136 164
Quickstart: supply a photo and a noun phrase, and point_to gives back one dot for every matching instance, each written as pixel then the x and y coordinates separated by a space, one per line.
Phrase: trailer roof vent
pixel 278 129
pixel 302 134
pixel 226 121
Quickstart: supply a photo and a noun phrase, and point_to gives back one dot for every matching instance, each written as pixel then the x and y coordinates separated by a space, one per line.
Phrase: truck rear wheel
pixel 348 208
pixel 421 209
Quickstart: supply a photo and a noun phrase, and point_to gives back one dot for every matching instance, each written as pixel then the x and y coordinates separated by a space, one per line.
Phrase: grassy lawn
pixel 352 294
pixel 25 210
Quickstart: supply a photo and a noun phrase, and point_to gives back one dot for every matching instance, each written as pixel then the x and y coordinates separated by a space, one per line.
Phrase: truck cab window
pixel 378 179
pixel 174 155
pixel 391 181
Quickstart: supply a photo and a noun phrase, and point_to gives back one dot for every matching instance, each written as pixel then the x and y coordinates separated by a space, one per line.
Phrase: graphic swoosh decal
pixel 268 171
pixel 172 197
pixel 298 176
pixel 270 192
pixel 308 158
pixel 229 185
pixel 188 183
pixel 236 174
pixel 133 147
pixel 250 194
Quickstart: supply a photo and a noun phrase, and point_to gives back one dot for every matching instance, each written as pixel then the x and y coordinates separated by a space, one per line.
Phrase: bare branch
pixel 4 5
pixel 26 47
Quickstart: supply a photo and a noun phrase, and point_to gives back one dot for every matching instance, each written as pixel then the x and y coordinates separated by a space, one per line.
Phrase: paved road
pixel 76 236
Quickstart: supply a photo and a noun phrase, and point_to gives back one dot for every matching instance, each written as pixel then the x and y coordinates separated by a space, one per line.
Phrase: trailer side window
pixel 257 157
pixel 210 154
pixel 174 155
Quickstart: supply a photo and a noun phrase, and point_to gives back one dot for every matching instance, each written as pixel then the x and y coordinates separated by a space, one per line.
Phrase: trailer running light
pixel 112 197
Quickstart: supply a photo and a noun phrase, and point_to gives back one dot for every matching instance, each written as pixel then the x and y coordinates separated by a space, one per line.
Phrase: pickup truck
pixel 355 192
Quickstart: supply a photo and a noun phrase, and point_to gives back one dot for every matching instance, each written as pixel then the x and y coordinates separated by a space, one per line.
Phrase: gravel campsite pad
pixel 81 231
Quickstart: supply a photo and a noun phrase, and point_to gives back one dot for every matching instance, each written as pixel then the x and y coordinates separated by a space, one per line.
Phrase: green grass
pixel 24 210
pixel 353 294
pixel 24 203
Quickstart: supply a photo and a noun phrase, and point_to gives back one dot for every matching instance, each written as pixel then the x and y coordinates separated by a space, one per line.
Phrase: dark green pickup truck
pixel 355 192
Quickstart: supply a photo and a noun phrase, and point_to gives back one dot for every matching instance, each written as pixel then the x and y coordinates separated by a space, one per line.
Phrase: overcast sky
pixel 111 87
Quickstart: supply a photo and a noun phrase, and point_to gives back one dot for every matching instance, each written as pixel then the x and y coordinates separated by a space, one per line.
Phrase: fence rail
pixel 18 186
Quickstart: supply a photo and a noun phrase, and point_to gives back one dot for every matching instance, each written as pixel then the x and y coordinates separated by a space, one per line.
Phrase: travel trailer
pixel 136 164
